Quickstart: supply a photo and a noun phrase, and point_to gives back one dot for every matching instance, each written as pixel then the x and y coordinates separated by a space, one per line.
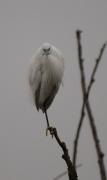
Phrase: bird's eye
pixel 46 49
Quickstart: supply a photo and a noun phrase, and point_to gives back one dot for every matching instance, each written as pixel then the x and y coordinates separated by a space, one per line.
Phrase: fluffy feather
pixel 45 75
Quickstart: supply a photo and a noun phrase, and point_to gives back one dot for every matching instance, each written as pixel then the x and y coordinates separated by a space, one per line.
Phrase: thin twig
pixel 83 105
pixel 100 154
pixel 71 170
pixel 78 134
pixel 92 80
pixel 64 173
pixel 60 175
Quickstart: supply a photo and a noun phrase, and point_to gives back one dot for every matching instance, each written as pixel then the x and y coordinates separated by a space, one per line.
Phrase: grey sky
pixel 25 152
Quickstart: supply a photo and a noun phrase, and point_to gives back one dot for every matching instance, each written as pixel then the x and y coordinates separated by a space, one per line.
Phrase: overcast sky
pixel 25 152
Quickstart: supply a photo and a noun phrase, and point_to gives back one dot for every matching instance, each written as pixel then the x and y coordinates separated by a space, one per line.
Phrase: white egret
pixel 45 76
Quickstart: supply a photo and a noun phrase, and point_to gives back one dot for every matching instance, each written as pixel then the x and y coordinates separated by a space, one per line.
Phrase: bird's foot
pixel 51 130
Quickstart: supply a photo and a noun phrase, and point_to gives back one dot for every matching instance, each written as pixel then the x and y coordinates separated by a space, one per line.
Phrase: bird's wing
pixel 51 96
pixel 37 96
pixel 35 77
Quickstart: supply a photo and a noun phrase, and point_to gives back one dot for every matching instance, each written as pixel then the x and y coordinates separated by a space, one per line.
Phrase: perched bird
pixel 45 76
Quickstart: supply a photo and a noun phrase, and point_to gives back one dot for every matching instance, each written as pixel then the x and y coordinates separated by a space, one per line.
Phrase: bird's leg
pixel 49 128
pixel 47 120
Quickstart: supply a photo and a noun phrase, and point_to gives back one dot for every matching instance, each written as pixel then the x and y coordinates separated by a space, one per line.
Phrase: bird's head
pixel 46 49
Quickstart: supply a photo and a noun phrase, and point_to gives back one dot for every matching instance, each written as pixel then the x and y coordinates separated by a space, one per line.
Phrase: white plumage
pixel 45 75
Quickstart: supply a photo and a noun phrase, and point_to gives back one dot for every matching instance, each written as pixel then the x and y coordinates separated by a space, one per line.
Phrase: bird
pixel 45 76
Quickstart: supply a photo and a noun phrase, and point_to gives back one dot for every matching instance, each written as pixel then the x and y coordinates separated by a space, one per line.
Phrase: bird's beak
pixel 46 53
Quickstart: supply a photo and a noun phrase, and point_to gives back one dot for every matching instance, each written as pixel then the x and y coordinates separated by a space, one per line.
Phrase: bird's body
pixel 45 76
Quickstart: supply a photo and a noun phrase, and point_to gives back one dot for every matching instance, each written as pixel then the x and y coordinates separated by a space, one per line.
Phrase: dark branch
pixel 71 170
pixel 92 79
pixel 64 173
pixel 88 107
pixel 83 81
pixel 83 106
pixel 78 134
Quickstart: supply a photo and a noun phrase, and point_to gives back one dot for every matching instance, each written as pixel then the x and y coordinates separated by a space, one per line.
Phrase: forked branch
pixel 86 104
pixel 83 82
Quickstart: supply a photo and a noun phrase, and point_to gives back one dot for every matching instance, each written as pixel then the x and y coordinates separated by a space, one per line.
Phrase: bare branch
pixel 71 170
pixel 88 107
pixel 78 134
pixel 92 79
pixel 64 173
pixel 82 109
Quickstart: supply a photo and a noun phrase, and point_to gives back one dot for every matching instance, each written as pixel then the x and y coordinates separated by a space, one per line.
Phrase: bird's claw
pixel 51 130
